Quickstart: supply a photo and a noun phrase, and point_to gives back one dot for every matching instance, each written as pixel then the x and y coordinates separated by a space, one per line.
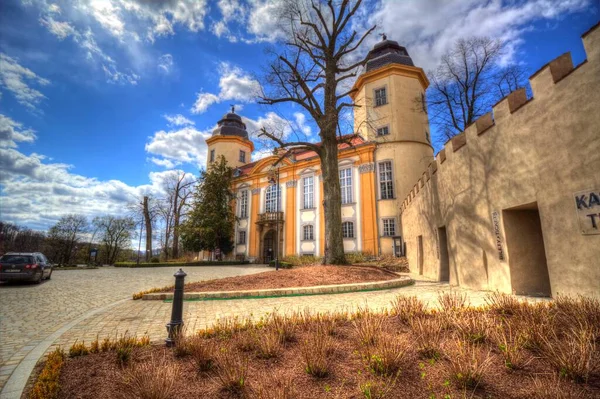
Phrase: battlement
pixel 550 85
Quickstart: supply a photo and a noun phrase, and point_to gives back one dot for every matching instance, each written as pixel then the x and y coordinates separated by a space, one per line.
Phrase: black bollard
pixel 174 326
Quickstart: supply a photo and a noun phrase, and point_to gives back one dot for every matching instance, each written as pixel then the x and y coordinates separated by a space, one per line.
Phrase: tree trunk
pixel 334 245
pixel 175 252
pixel 148 222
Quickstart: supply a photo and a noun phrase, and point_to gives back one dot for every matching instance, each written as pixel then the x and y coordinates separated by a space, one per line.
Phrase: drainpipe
pixel 376 200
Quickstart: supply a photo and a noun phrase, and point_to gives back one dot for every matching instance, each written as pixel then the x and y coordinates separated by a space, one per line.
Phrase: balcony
pixel 270 217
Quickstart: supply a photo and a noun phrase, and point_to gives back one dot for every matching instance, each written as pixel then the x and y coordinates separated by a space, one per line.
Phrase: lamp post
pixel 274 179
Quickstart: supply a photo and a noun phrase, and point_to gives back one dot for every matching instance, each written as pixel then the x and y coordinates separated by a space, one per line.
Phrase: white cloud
pixel 178 120
pixel 12 132
pixel 186 144
pixel 13 78
pixel 166 163
pixel 263 20
pixel 165 63
pixel 59 29
pixel 234 84
pixel 429 27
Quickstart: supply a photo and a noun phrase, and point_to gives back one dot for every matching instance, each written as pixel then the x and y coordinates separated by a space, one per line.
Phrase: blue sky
pixel 100 99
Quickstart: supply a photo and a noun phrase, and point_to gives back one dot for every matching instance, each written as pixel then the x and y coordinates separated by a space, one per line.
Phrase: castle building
pixel 511 204
pixel 378 169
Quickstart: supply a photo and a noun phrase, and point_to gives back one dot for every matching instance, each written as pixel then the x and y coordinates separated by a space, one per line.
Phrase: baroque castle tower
pixel 230 139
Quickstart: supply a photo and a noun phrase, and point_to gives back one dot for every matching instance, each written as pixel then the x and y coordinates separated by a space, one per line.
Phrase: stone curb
pixel 314 290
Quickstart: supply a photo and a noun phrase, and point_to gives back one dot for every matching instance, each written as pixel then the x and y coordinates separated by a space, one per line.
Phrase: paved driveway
pixel 30 313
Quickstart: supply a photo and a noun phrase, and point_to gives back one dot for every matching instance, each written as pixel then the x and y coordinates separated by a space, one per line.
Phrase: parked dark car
pixel 24 266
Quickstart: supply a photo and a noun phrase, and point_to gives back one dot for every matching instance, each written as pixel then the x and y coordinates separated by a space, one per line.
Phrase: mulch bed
pixel 300 276
pixel 99 375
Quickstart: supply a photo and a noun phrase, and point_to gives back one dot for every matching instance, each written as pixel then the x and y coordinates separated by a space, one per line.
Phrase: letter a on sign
pixel 587 207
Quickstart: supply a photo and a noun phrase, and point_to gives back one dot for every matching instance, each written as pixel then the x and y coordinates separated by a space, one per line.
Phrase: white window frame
pixel 348 229
pixel 308 232
pixel 386 179
pixel 385 96
pixel 346 185
pixel 389 227
pixel 272 198
pixel 242 233
pixel 243 204
pixel 387 131
pixel 308 192
pixel 242 156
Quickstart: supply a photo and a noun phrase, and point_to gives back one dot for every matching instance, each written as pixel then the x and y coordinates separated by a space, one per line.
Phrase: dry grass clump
pixel 368 326
pixel 285 326
pixel 512 346
pixel 575 310
pixel 47 386
pixel 572 353
pixel 78 349
pixel 268 343
pixel 503 304
pixel 452 301
pixel 407 308
pixel 151 379
pixel 554 388
pixel 468 365
pixel 232 371
pixel 534 321
pixel 202 352
pixel 472 326
pixel 283 388
pixel 428 336
pixel 386 357
pixel 378 389
pixel 315 351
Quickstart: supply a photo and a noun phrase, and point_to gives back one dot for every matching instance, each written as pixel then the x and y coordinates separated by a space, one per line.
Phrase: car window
pixel 40 259
pixel 16 259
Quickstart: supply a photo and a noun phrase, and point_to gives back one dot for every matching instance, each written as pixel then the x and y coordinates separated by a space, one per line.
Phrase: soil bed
pixel 300 276
pixel 353 365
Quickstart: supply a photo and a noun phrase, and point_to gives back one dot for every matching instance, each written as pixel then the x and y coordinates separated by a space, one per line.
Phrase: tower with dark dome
pixel 391 114
pixel 230 139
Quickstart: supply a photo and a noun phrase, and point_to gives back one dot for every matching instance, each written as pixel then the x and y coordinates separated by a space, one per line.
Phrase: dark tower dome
pixel 231 125
pixel 387 52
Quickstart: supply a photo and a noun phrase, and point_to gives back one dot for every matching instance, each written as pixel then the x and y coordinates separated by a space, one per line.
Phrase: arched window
pixel 308 232
pixel 348 229
pixel 272 197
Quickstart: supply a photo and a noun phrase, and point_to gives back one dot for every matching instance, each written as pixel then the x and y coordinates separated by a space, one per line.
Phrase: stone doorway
pixel 526 251
pixel 269 246
pixel 444 257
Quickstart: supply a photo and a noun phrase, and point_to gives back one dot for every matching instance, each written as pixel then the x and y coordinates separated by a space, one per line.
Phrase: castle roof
pixel 387 52
pixel 231 125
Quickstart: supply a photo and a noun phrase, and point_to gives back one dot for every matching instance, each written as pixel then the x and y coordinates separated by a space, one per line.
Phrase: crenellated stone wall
pixel 511 194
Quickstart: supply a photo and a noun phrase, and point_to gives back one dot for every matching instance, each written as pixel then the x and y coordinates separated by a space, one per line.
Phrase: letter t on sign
pixel 587 208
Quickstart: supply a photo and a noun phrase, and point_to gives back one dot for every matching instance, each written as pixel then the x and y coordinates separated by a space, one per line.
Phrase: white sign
pixel 587 205
pixel 497 235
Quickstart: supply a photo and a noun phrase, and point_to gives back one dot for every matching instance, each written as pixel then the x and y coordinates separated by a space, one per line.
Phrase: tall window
pixel 389 227
pixel 380 97
pixel 386 182
pixel 212 155
pixel 308 190
pixel 242 156
pixel 346 185
pixel 244 204
pixel 241 237
pixel 308 231
pixel 348 229
pixel 272 197
pixel 383 131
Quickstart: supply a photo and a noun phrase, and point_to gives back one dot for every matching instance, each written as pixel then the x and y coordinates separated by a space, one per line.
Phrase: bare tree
pixel 65 235
pixel 146 212
pixel 319 56
pixel 115 233
pixel 179 186
pixel 165 212
pixel 468 81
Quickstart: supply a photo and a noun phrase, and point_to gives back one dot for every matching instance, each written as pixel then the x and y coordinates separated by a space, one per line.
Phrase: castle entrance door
pixel 269 246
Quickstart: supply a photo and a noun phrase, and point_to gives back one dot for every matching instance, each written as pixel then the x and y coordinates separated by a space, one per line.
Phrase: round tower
pixel 230 139
pixel 392 112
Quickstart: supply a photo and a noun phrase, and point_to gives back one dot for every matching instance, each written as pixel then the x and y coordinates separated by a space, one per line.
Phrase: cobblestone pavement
pixel 29 313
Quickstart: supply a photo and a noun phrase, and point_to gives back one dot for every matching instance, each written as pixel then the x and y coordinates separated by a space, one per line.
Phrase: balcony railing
pixel 269 217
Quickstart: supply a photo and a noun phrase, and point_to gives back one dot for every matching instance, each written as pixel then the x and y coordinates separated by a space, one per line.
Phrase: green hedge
pixel 282 264
pixel 168 264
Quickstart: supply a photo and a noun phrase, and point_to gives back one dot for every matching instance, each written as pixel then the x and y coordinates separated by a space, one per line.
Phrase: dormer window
pixel 380 97
pixel 242 156
pixel 383 131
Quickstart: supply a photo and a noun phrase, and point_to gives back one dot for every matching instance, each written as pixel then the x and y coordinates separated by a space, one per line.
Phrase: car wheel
pixel 39 279
pixel 50 275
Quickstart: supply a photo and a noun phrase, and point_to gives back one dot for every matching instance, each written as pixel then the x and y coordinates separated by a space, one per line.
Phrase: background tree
pixel 319 58
pixel 210 223
pixel 468 81
pixel 145 210
pixel 179 188
pixel 65 235
pixel 15 238
pixel 115 235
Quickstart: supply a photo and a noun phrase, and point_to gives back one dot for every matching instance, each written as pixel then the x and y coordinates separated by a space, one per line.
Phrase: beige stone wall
pixel 230 148
pixel 526 163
